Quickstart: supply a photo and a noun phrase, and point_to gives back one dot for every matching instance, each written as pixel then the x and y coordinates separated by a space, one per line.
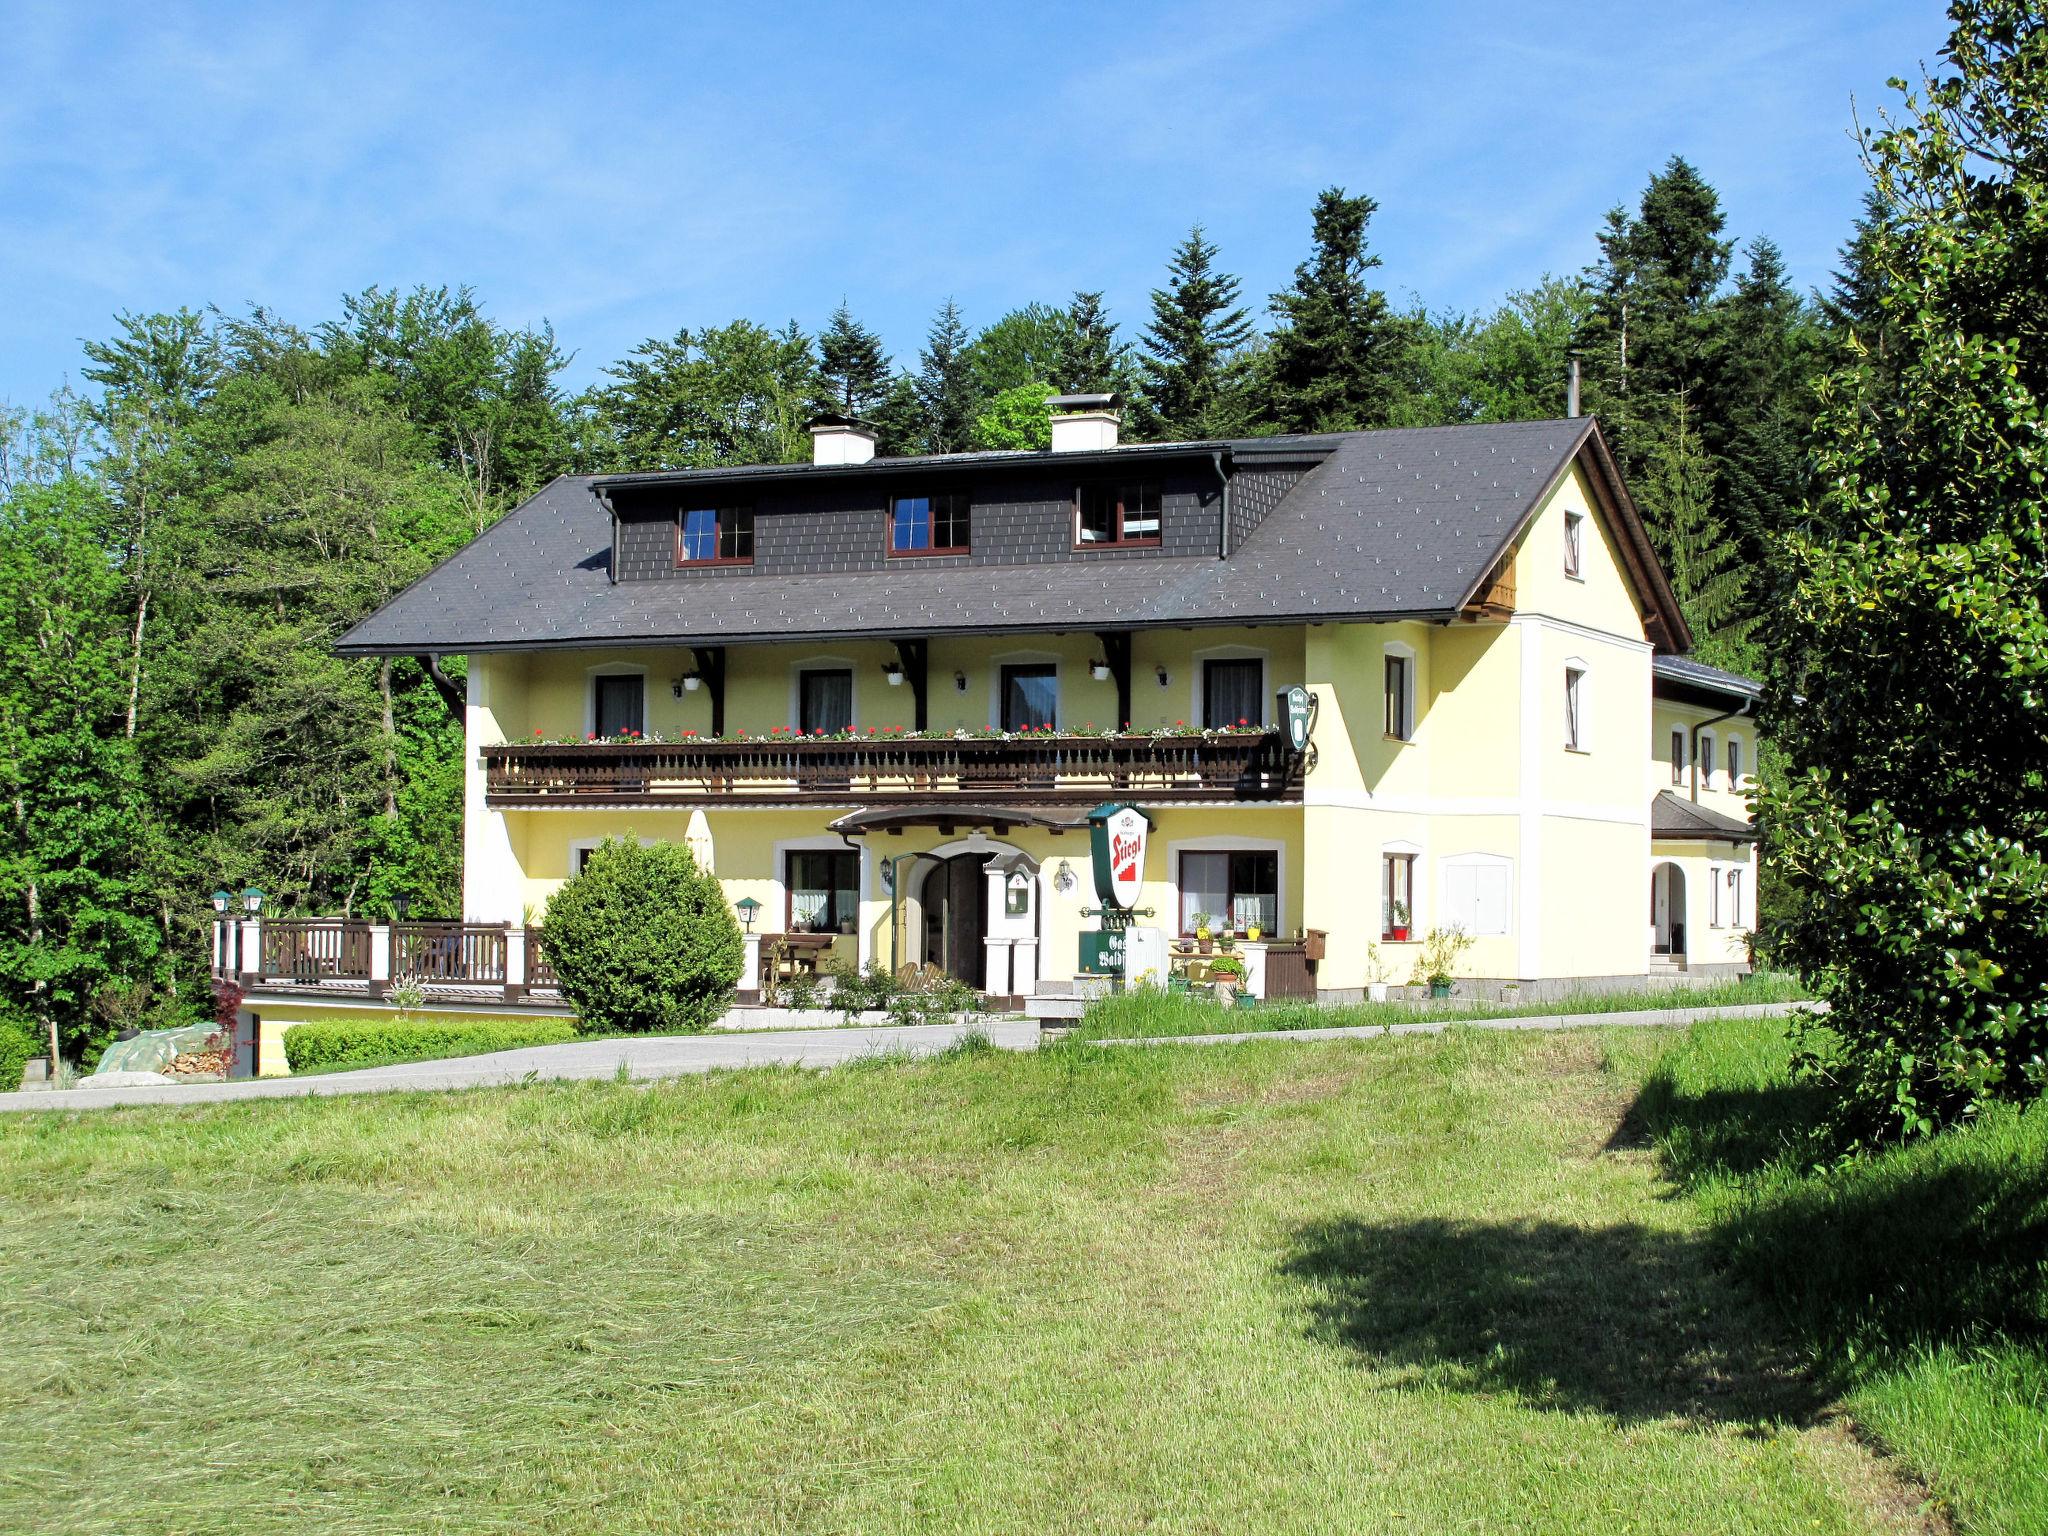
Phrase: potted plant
pixel 846 925
pixel 1397 921
pixel 1252 932
pixel 1377 974
pixel 1436 965
pixel 1227 971
pixel 1203 937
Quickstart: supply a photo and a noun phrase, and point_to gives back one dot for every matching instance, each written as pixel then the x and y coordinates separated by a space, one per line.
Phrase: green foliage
pixel 852 365
pixel 328 1044
pixel 1677 490
pixel 1436 962
pixel 734 394
pixel 1015 419
pixel 1331 364
pixel 75 890
pixel 948 393
pixel 1906 688
pixel 1194 382
pixel 1511 365
pixel 643 940
pixel 20 1043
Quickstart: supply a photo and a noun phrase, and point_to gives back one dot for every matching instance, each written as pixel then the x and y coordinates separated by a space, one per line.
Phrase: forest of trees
pixel 181 542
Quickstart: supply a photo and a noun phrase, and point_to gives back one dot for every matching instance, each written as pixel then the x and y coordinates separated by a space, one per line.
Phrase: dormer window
pixel 715 536
pixel 929 525
pixel 1109 515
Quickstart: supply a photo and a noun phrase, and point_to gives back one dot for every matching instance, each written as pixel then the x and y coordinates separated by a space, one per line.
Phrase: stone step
pixel 1055 1009
pixel 1077 986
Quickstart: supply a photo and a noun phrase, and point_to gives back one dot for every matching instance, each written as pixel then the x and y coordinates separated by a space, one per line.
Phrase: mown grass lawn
pixel 1430 1284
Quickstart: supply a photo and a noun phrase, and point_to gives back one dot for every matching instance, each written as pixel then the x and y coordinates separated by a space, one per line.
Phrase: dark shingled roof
pixel 1675 818
pixel 1395 524
pixel 1690 674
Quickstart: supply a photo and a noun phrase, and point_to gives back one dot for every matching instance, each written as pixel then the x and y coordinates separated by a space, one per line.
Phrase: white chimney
pixel 1083 423
pixel 841 440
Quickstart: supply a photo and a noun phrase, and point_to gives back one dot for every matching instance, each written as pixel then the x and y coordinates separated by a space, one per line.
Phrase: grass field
pixel 1148 1013
pixel 1425 1284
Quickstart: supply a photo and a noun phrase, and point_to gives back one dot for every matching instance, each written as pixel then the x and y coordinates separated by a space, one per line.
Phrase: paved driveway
pixel 654 1057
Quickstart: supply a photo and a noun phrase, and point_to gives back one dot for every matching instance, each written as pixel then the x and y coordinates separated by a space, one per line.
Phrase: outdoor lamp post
pixel 400 905
pixel 220 903
pixel 748 909
pixel 252 901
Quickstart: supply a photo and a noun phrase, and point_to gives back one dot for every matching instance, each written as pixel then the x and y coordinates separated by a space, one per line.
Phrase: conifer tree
pixel 1191 375
pixel 946 392
pixel 853 364
pixel 1096 362
pixel 1677 492
pixel 1852 309
pixel 1759 400
pixel 1331 362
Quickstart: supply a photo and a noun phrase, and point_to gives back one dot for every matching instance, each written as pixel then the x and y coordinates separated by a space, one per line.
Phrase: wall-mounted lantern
pixel 1163 679
pixel 960 681
pixel 1063 878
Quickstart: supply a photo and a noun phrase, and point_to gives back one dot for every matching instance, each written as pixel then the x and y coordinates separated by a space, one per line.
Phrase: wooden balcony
pixel 874 770
pixel 339 956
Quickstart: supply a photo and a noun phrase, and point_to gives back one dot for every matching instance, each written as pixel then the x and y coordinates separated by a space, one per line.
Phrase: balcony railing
pixel 1078 770
pixel 340 956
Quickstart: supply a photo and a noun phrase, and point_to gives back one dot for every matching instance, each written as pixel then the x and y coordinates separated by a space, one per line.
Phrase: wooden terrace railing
pixel 1078 770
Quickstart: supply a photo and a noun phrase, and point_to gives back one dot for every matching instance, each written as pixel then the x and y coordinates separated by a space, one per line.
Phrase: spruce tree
pixel 1331 364
pixel 854 366
pixel 1096 362
pixel 947 395
pixel 1677 492
pixel 1852 309
pixel 1759 399
pixel 1191 376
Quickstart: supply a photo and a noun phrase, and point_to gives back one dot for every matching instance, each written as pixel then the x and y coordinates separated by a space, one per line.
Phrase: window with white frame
pixel 1400 693
pixel 1705 760
pixel 1574 543
pixel 1397 895
pixel 1735 762
pixel 1477 892
pixel 1677 756
pixel 1575 738
pixel 1734 898
pixel 1713 898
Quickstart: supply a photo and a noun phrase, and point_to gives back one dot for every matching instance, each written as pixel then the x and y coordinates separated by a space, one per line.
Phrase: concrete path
pixel 1657 1018
pixel 662 1056
pixel 656 1056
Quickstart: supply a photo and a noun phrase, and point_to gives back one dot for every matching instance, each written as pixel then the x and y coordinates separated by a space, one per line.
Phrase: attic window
pixel 715 536
pixel 929 525
pixel 1117 515
pixel 1574 543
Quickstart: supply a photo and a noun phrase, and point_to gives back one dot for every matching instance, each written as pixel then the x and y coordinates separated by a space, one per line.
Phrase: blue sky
pixel 626 169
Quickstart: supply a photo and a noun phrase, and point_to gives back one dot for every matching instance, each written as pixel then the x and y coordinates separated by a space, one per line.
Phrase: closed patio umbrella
pixel 697 838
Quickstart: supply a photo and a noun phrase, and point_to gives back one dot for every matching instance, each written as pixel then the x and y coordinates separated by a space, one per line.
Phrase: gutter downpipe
pixel 1734 714
pixel 1223 518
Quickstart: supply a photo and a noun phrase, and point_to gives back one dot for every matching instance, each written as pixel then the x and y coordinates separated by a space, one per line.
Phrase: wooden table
pixel 801 953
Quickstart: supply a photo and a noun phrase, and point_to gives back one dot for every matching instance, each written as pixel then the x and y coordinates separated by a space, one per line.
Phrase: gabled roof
pixel 1677 819
pixel 1395 524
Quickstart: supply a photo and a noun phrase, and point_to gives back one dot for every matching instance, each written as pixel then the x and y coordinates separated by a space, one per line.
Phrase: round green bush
pixel 19 1040
pixel 643 940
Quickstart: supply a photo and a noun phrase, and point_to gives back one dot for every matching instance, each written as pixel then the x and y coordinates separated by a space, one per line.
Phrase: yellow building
pixel 879 696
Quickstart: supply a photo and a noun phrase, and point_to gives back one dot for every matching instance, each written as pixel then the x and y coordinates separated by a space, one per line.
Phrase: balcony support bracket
pixel 711 667
pixel 1116 650
pixel 915 654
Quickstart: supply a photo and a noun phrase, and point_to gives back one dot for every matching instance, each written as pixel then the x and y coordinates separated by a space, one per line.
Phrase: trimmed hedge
pixel 380 1042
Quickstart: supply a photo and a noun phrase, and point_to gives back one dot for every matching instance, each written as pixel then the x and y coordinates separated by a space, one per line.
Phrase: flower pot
pixel 1439 989
pixel 1376 991
pixel 1252 935
pixel 1398 933
pixel 1203 944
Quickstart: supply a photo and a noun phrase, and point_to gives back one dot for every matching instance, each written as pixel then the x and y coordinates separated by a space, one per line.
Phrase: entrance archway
pixel 1667 910
pixel 956 916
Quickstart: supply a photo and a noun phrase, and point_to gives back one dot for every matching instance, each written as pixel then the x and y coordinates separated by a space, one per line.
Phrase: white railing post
pixel 380 959
pixel 251 957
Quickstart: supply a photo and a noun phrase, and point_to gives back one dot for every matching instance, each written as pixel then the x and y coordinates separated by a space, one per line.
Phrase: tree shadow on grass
pixel 1619 1320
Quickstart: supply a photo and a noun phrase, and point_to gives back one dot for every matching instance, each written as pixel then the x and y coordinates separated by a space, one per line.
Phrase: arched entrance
pixel 956 916
pixel 1667 910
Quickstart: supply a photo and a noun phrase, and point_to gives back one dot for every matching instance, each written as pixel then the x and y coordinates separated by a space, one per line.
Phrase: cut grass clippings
pixel 1148 1013
pixel 1406 1284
